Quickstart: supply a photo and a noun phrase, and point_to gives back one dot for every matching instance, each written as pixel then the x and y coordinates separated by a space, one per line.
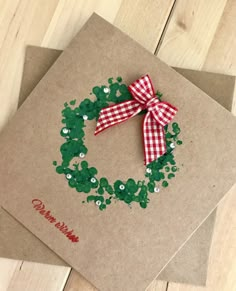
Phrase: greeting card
pixel 116 221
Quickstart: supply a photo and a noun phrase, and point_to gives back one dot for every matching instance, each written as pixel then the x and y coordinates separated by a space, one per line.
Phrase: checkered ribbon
pixel 158 115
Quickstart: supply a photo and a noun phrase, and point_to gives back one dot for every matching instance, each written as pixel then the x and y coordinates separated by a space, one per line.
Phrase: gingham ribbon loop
pixel 151 104
pixel 159 114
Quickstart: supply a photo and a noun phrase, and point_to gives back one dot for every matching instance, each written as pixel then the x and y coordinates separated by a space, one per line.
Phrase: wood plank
pixel 157 286
pixel 144 20
pixel 34 276
pixel 21 22
pixel 190 32
pixel 77 282
pixel 221 56
pixel 234 101
pixel 7 270
pixel 48 23
pixel 70 16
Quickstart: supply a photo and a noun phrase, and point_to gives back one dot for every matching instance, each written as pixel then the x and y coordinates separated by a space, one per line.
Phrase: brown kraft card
pixel 196 216
pixel 190 263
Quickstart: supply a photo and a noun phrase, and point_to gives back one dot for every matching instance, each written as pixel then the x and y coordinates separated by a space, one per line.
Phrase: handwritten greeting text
pixel 61 226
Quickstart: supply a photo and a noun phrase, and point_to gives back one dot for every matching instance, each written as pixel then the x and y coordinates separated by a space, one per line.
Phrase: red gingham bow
pixel 159 114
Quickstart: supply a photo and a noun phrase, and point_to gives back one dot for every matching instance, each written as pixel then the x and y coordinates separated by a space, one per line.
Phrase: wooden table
pixel 185 33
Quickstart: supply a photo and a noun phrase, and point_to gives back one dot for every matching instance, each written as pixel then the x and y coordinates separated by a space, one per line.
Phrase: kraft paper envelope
pixel 120 248
pixel 190 264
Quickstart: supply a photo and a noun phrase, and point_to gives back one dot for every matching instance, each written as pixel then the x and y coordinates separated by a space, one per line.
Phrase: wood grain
pixel 234 101
pixel 21 22
pixel 7 270
pixel 144 21
pixel 38 277
pixel 19 275
pixel 70 16
pixel 221 56
pixel 158 286
pixel 190 32
pixel 49 23
pixel 76 282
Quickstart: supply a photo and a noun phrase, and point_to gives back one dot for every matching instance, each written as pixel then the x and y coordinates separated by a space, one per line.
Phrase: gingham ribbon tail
pixel 158 115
